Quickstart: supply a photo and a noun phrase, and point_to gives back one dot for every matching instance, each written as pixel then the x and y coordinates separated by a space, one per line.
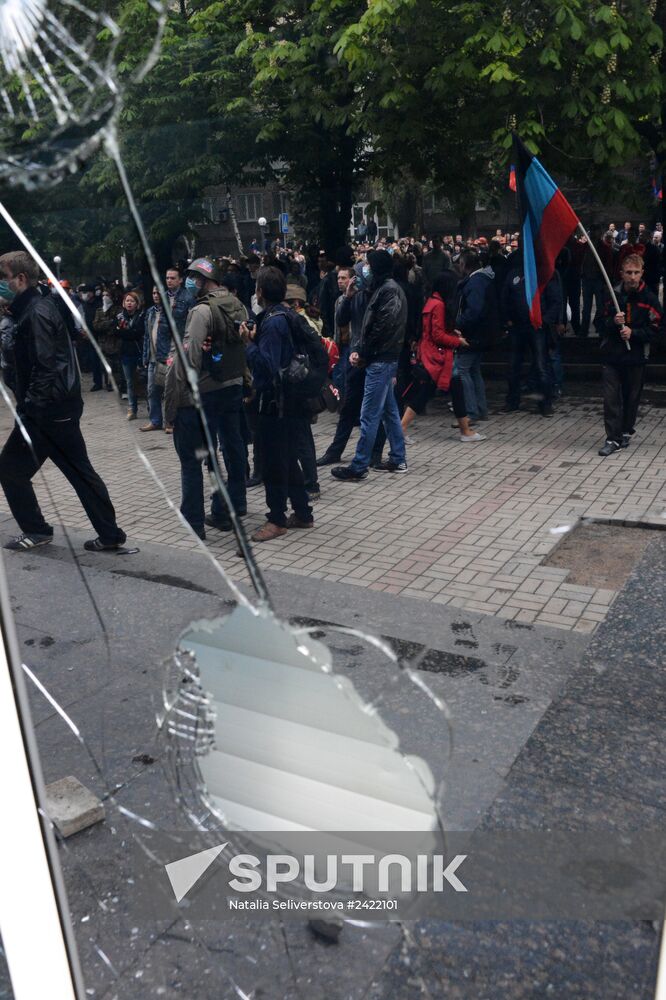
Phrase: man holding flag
pixel 631 322
pixel 626 336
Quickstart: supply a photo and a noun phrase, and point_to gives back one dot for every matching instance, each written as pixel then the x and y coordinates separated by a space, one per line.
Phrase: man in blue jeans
pixel 382 337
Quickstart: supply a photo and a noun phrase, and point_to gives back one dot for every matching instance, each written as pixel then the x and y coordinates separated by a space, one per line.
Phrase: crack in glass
pixel 62 94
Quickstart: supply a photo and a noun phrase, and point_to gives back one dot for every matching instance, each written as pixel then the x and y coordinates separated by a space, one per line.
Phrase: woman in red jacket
pixel 434 368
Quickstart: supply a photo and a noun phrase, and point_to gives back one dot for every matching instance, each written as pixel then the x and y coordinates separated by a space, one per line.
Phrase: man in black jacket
pixel 350 311
pixel 625 347
pixel 382 337
pixel 49 404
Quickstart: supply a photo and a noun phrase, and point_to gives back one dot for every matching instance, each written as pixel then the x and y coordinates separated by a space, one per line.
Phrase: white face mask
pixel 107 302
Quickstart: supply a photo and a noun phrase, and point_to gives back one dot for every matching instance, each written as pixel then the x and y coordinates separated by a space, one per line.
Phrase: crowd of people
pixel 371 332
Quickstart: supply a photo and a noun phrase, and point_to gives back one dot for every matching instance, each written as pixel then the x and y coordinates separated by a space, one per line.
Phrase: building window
pixel 249 207
pixel 435 203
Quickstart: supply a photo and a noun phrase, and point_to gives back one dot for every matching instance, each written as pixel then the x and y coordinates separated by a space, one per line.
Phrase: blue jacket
pixel 477 312
pixel 181 303
pixel 271 351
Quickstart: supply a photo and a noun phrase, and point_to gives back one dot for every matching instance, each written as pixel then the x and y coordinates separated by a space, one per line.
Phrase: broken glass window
pixel 248 695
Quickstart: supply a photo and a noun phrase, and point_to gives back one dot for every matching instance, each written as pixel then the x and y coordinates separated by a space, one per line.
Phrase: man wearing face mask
pixel 49 403
pixel 216 353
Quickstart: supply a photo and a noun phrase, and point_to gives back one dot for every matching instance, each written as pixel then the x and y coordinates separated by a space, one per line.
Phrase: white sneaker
pixel 408 439
pixel 473 437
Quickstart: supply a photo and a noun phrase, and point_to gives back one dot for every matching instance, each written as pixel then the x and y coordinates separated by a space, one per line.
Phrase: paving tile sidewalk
pixel 468 527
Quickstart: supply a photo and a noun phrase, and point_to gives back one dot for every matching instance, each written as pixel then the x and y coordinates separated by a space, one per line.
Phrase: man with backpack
pixel 289 366
pixel 216 353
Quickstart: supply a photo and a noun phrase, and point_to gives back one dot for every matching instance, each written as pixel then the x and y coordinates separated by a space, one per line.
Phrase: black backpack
pixel 307 372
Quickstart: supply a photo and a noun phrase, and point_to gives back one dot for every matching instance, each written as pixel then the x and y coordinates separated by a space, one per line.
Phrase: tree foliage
pixel 584 83
pixel 321 94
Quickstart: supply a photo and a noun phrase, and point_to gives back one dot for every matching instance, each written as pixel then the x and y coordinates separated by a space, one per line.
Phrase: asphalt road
pixel 549 728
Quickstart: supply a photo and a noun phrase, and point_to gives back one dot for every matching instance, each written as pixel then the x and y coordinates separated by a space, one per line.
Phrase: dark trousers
pixel 527 339
pixel 593 290
pixel 307 455
pixel 573 297
pixel 222 410
pixel 350 412
pixel 62 442
pixel 283 478
pixel 622 387
pixel 96 367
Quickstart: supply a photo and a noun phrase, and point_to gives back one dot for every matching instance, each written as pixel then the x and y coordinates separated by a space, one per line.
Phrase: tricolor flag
pixel 656 191
pixel 547 222
pixel 512 177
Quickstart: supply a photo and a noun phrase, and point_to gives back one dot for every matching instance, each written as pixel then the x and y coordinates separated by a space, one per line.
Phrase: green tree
pixel 299 114
pixel 584 83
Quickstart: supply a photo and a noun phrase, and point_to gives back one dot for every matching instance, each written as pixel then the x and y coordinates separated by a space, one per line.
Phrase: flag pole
pixel 609 283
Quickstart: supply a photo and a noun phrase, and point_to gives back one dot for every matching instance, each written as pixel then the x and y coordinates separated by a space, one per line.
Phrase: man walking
pixel 49 404
pixel 382 337
pixel 625 347
pixel 350 312
pixel 216 352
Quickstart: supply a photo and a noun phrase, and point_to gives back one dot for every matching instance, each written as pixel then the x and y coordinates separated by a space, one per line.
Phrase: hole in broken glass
pixel 264 736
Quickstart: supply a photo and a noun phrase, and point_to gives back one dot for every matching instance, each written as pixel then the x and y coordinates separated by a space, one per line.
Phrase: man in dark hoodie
pixel 434 262
pixel 382 337
pixel 477 320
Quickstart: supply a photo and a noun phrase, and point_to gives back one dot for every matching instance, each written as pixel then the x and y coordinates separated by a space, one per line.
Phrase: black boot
pixel 328 459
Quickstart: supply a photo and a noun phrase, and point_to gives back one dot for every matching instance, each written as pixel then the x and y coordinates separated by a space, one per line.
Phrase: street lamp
pixel 57 261
pixel 262 225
